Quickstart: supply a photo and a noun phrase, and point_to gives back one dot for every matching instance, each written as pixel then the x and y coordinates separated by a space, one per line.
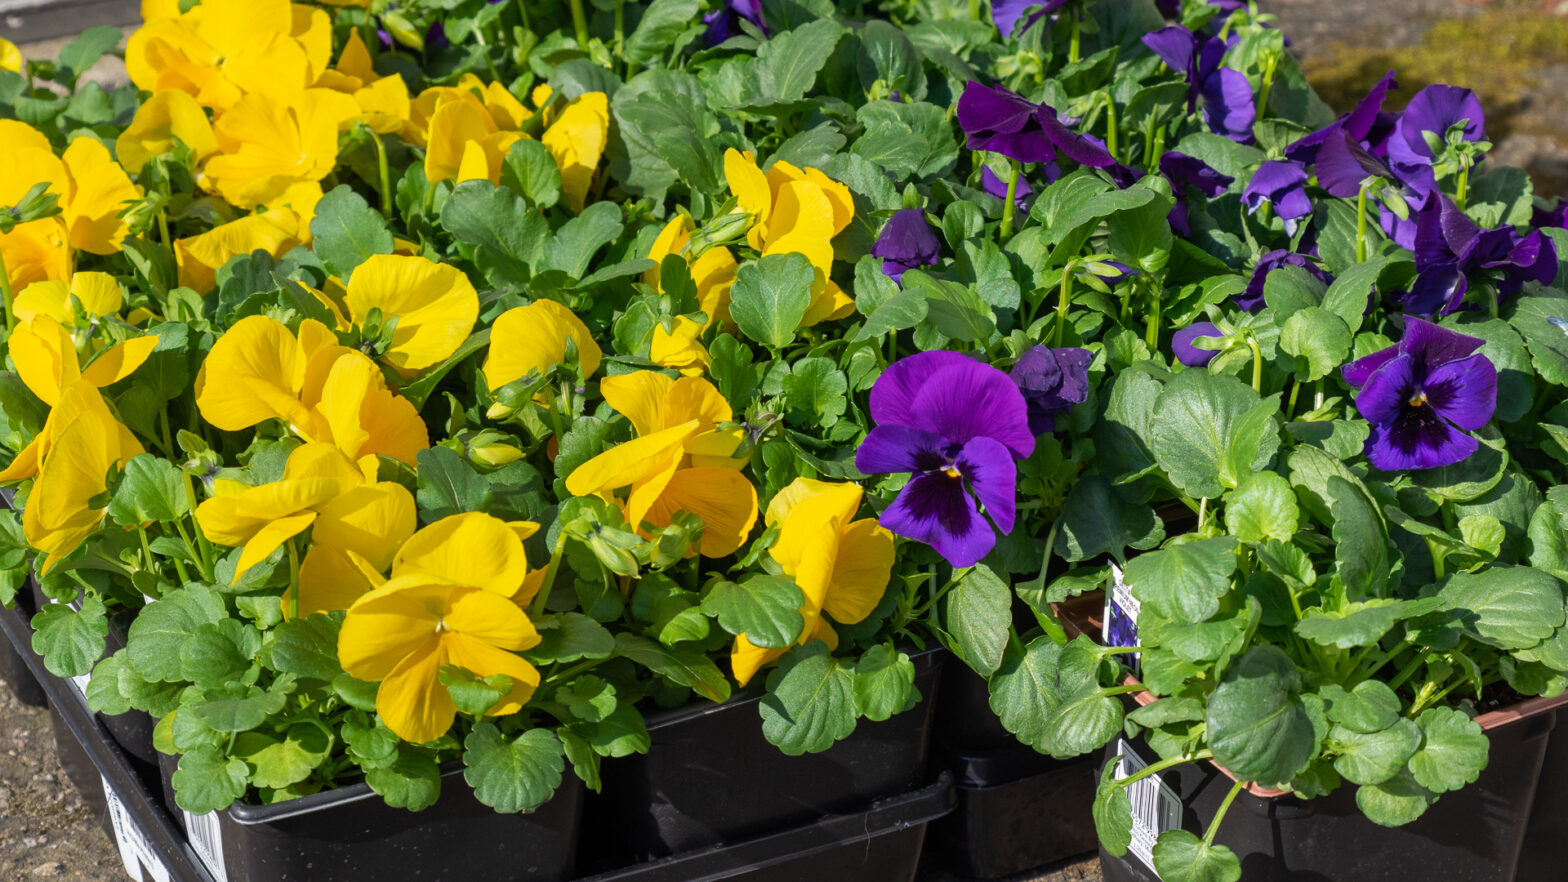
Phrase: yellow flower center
pixel 1418 399
pixel 952 471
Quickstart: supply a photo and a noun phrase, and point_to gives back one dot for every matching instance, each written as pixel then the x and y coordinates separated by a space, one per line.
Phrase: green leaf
pixel 207 781
pixel 1507 607
pixel 1548 343
pixel 1371 707
pixel 683 667
pixel 512 776
pixel 571 636
pixel 1184 582
pixel 151 489
pixel 279 763
pixel 1310 471
pixel 508 234
pixel 906 139
pixel 1180 856
pixel 810 702
pixel 1112 812
pixel 1290 289
pixel 1395 802
pixel 884 683
pixel 1024 692
pixel 1357 623
pixel 83 52
pixel 953 309
pixel 1351 291
pixel 1361 552
pixel 412 781
pixel 622 733
pixel 307 648
pixel 765 609
pixel 1196 641
pixel 1122 433
pixel 1319 339
pixel 346 231
pixel 1258 726
pixel 770 298
pixel 529 169
pixel 1197 432
pixel 1374 757
pixel 103 690
pixel 71 641
pixel 448 485
pixel 238 713
pixel 1141 237
pixel 1096 520
pixel 980 618
pixel 573 246
pixel 219 653
pixel 662 23
pixel 1086 718
pixel 787 65
pixel 1453 752
pixel 1263 506
pixel 472 694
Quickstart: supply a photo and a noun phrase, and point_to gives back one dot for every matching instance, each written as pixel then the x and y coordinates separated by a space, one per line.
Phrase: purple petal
pixel 967 399
pixel 893 394
pixel 891 448
pixel 1228 104
pixel 993 477
pixel 1006 13
pixel 1386 392
pixel 1433 344
pixel 935 509
pixel 1436 288
pixel 908 240
pixel 1436 108
pixel 1190 355
pixel 1464 392
pixel 1342 164
pixel 1177 47
pixel 1272 182
pixel 1083 149
pixel 1555 215
pixel 994 185
pixel 1187 171
pixel 1359 121
pixel 1251 299
pixel 1052 381
pixel 988 109
pixel 1358 372
pixel 1536 258
pixel 1419 440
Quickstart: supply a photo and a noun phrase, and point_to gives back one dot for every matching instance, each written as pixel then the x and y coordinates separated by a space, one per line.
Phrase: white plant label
pixel 1155 807
pixel 207 841
pixel 136 852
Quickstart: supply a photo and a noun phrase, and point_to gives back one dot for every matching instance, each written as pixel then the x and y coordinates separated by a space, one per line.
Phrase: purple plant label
pixel 1121 619
pixel 1155 806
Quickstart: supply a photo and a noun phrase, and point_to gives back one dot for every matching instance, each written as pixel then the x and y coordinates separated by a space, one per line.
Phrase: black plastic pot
pixel 1472 834
pixel 880 844
pixel 351 833
pixel 711 778
pixel 1544 857
pixel 78 766
pixel 13 672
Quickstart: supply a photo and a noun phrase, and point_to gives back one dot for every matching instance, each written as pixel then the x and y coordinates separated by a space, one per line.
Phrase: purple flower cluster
pixel 1451 251
pixel 1224 94
pixel 1002 121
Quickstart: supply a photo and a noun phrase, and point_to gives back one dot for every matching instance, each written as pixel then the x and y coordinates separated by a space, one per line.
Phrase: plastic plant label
pixel 1121 619
pixel 1155 807
pixel 207 841
pixel 136 853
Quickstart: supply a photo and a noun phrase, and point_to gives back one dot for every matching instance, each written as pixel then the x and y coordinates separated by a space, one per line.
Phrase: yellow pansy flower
pixel 10 57
pixel 258 370
pixel 448 602
pixel 714 271
pixel 36 251
pixel 320 486
pixel 576 139
pixel 45 356
pixel 678 462
pixel 86 441
pixel 465 143
pixel 167 118
pixel 532 339
pixel 842 565
pixel 383 101
pixel 795 212
pixel 266 145
pixel 98 191
pixel 435 306
pixel 199 257
pixel 680 350
pixel 97 294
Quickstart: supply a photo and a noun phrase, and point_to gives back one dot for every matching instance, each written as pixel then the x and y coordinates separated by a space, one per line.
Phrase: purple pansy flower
pixel 1225 94
pixel 1366 122
pixel 724 22
pixel 1282 184
pixel 1052 381
pixel 993 184
pixel 1434 109
pixel 1006 13
pixel 1002 121
pixel 1423 396
pixel 1251 299
pixel 1190 355
pixel 906 242
pixel 435 37
pixel 1450 249
pixel 1554 215
pixel 957 425
pixel 1185 171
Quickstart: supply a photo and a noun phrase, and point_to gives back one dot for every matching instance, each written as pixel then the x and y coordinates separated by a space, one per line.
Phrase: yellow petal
pixel 87 441
pixel 435 306
pixel 119 361
pixel 799 490
pixel 388 624
pixel 329 579
pixel 717 449
pixel 100 189
pixel 384 104
pixel 631 462
pixel 748 184
pixel 681 350
pixel 672 239
pixel 640 396
pixel 828 301
pixel 167 118
pixel 714 273
pixel 724 499
pixel 269 539
pixel 371 520
pixel 322 461
pixel 452 127
pixel 50 298
pixel 532 339
pixel 312 29
pixel 45 358
pixel 36 251
pixel 746 659
pixel 412 701
pixel 355 59
pixel 576 140
pixel 10 57
pixel 693 398
pixel 838 195
pixel 252 373
pixel 199 257
pixel 472 549
pixel 485 660
pixel 861 571
pixel 230 25
pixel 98 293
pixel 490 618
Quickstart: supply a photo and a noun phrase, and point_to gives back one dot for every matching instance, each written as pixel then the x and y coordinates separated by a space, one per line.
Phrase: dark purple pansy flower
pixel 1185 171
pixel 1252 299
pixel 906 242
pixel 1555 215
pixel 1434 109
pixel 1423 397
pixel 435 37
pixel 1001 121
pixel 724 22
pixel 1282 184
pixel 1006 13
pixel 1451 252
pixel 1362 123
pixel 993 184
pixel 957 425
pixel 1052 381
pixel 1190 355
pixel 1225 94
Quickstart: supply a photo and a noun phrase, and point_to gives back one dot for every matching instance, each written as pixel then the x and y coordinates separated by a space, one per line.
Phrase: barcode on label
pixel 1155 807
pixel 207 841
pixel 1121 618
pixel 136 853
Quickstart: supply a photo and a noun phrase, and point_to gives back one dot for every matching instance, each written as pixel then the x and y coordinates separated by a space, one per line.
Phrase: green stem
pixel 1162 765
pixel 385 175
pixel 974 12
pixel 1152 335
pixel 1064 297
pixel 163 228
pixel 5 294
pixel 1290 408
pixel 1407 671
pixel 1462 191
pixel 1257 364
pixel 579 22
pixel 1203 511
pixel 1214 825
pixel 1012 196
pixel 1267 85
pixel 1111 133
pixel 293 580
pixel 1361 224
pixel 536 609
pixel 1075 37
